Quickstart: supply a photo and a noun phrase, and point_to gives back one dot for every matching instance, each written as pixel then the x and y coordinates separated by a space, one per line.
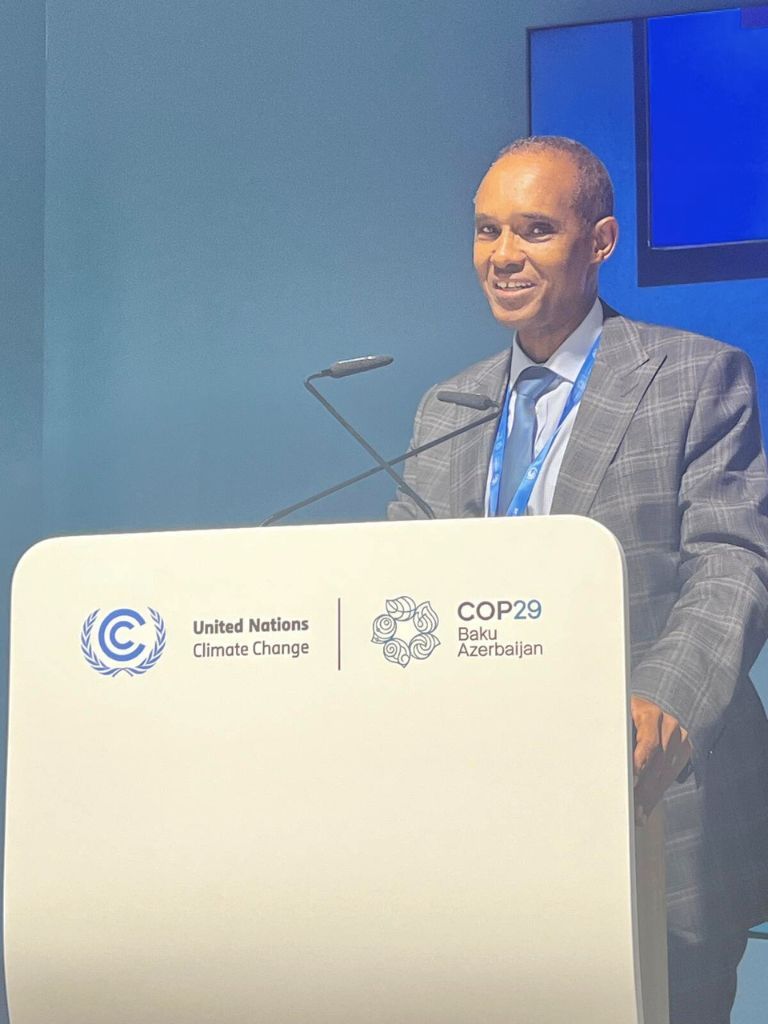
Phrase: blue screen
pixel 708 114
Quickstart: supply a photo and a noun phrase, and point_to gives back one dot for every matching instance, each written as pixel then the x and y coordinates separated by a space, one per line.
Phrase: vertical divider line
pixel 338 634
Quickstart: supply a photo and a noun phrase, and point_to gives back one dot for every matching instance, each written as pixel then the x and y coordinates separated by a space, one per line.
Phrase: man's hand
pixel 662 751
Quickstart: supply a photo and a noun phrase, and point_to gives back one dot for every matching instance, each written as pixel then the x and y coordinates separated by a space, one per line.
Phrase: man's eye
pixel 539 230
pixel 487 231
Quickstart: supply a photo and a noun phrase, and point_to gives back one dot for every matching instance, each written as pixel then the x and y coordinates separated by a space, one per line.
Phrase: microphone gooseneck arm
pixel 410 454
pixel 379 459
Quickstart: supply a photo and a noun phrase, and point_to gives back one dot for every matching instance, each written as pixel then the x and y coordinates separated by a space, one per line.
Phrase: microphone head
pixel 346 367
pixel 467 399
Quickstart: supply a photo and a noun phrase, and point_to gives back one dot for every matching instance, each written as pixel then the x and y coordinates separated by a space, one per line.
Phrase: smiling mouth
pixel 512 286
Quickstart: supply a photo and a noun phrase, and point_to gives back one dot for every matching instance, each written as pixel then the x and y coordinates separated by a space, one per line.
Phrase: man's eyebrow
pixel 541 216
pixel 525 216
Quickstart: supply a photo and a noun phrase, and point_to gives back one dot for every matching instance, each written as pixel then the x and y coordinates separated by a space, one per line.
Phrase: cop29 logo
pixel 122 640
pixel 406 630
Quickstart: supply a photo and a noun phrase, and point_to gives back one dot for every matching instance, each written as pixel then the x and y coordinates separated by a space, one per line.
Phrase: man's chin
pixel 514 319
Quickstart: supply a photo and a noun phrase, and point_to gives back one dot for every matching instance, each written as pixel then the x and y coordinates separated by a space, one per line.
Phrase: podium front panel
pixel 372 773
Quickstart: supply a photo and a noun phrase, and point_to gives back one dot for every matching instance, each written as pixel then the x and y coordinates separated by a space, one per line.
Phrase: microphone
pixel 346 367
pixel 471 401
pixel 343 369
pixel 465 398
pixel 453 397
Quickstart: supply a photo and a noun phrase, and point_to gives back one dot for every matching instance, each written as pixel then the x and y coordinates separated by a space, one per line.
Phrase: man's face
pixel 534 255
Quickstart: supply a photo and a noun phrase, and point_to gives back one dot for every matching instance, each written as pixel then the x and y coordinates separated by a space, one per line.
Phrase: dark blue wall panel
pixel 708 112
pixel 594 64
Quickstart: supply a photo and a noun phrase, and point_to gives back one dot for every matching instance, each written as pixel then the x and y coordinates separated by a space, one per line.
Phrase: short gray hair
pixel 593 199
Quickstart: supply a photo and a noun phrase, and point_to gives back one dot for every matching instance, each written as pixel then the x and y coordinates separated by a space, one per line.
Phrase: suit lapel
pixel 472 452
pixel 621 375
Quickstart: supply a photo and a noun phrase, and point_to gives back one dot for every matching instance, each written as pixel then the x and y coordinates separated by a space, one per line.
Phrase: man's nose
pixel 508 252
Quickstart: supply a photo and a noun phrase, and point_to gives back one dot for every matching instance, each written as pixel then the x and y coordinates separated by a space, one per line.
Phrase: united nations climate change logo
pixel 125 638
pixel 404 616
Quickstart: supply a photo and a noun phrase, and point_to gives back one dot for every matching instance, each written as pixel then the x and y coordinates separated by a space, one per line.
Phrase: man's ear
pixel 605 235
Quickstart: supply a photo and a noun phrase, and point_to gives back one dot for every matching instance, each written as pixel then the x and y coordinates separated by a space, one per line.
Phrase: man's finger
pixel 661 752
pixel 646 751
pixel 659 775
pixel 648 787
pixel 647 742
pixel 672 733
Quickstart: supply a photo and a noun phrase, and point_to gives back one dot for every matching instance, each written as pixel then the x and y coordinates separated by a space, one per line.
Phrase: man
pixel 654 433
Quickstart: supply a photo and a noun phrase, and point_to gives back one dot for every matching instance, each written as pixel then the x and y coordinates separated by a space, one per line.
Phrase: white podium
pixel 376 774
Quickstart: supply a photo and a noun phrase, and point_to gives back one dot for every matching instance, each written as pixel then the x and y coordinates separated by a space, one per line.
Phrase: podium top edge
pixel 582 525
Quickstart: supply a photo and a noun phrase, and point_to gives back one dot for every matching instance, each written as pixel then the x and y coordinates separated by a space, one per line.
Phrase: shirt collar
pixel 569 357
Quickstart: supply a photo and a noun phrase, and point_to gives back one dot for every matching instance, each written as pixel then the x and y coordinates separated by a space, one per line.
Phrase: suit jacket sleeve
pixel 719 621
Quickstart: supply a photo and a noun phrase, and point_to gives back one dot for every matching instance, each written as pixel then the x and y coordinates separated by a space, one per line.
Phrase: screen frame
pixel 684 264
pixel 658 265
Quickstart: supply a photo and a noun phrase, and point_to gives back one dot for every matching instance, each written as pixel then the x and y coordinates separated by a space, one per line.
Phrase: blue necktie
pixel 518 452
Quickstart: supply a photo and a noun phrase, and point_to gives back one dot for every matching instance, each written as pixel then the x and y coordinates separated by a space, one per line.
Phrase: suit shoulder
pixel 679 344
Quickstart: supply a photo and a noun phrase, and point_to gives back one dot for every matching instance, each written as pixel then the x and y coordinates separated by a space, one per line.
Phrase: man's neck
pixel 542 345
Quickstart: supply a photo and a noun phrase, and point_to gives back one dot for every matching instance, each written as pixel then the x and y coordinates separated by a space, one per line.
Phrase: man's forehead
pixel 535 179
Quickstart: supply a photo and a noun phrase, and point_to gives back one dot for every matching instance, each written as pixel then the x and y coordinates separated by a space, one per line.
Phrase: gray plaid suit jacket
pixel 666 453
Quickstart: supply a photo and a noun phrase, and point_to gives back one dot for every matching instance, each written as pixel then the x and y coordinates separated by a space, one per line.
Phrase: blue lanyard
pixel 522 496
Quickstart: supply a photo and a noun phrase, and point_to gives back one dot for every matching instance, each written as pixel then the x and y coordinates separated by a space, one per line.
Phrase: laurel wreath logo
pixel 424 622
pixel 134 670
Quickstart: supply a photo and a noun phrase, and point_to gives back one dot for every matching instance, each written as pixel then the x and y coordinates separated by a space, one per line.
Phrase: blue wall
pixel 238 193
pixel 22 109
pixel 22 104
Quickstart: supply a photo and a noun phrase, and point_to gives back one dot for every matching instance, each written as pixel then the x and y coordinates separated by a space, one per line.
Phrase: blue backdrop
pixel 239 193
